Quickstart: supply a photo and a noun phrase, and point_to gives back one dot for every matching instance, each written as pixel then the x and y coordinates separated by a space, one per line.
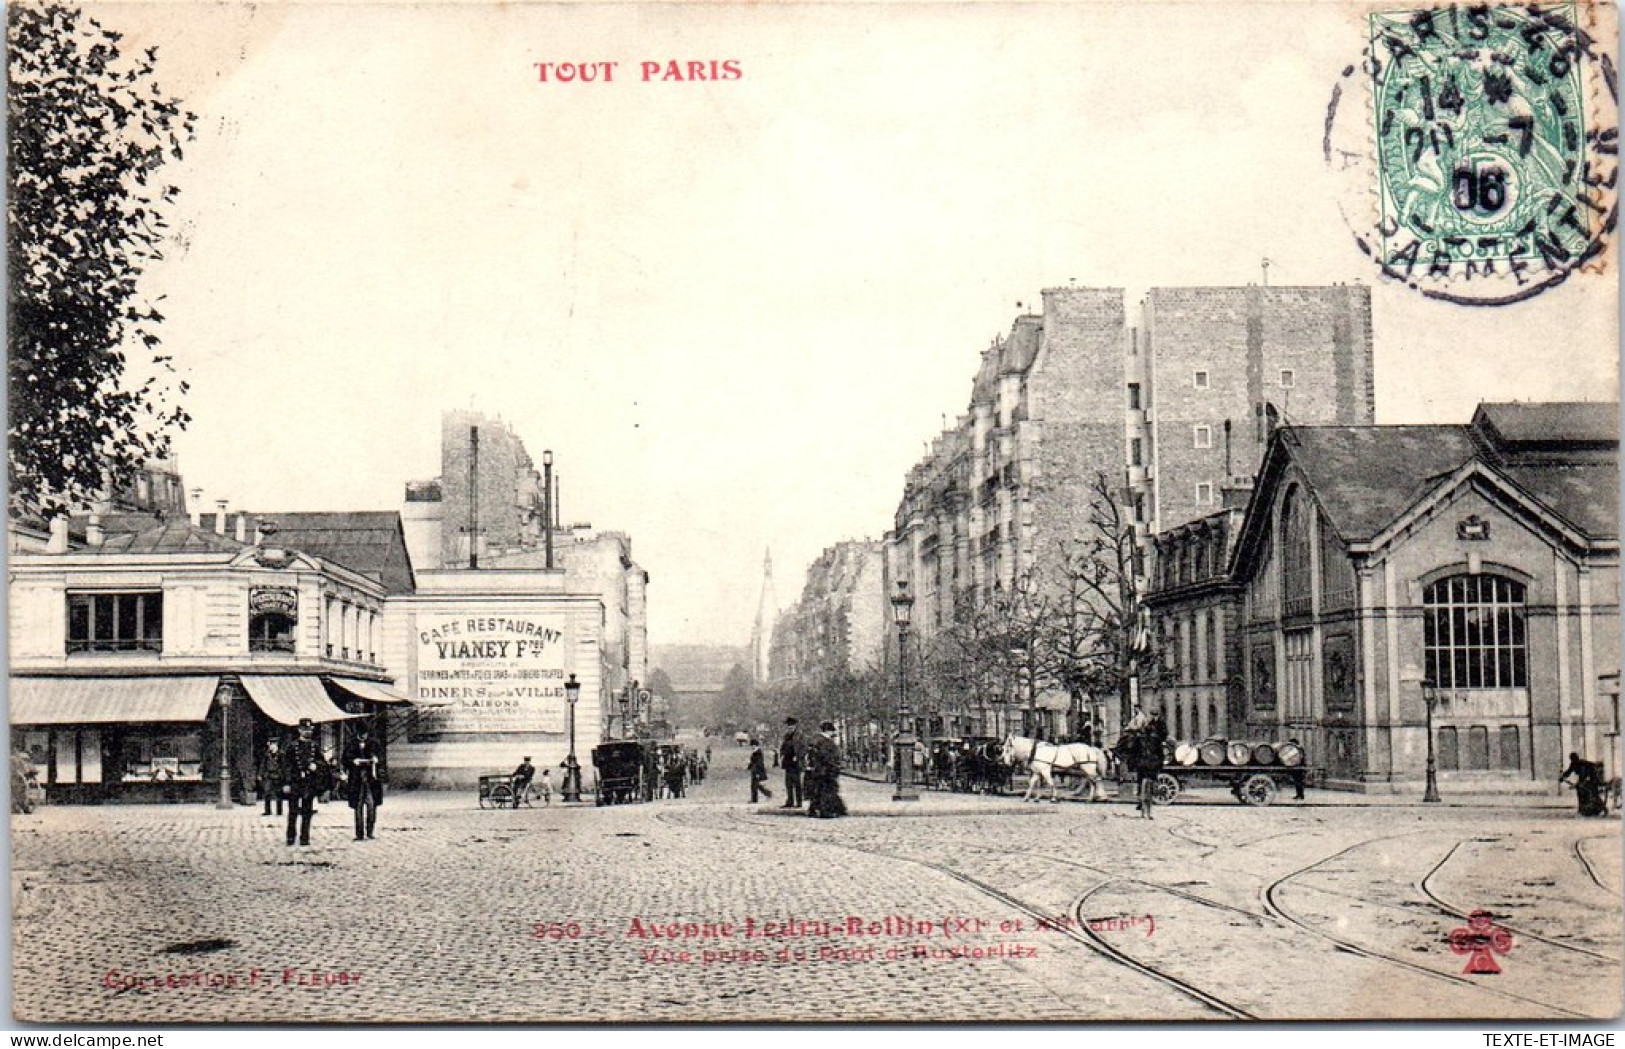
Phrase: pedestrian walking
pixel 1144 753
pixel 363 780
pixel 544 787
pixel 757 767
pixel 1588 785
pixel 792 752
pixel 674 777
pixel 824 775
pixel 305 774
pixel 270 776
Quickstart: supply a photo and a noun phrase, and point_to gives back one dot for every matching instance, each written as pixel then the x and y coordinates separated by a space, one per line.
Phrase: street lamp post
pixel 902 604
pixel 224 696
pixel 572 767
pixel 1430 699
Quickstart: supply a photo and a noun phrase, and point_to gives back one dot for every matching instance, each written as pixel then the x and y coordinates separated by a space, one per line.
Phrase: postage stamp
pixel 1491 166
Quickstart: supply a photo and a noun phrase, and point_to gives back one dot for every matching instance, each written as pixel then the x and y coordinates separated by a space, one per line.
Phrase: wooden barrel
pixel 1238 753
pixel 1289 754
pixel 1212 752
pixel 1263 754
pixel 1187 754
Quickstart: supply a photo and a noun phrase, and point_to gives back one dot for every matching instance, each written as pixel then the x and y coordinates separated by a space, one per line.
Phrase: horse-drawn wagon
pixel 618 772
pixel 1254 772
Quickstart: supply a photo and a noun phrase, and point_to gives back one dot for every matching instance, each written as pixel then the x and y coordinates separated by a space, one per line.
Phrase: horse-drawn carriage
pixel 618 772
pixel 967 765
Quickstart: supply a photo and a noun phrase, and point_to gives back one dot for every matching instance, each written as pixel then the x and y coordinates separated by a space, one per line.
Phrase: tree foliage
pixel 91 395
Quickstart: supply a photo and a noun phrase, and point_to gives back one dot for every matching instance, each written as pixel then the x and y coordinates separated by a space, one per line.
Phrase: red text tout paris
pixel 694 70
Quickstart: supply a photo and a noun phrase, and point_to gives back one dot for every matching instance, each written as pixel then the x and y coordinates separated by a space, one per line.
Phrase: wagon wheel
pixel 1259 789
pixel 1165 789
pixel 598 789
pixel 501 795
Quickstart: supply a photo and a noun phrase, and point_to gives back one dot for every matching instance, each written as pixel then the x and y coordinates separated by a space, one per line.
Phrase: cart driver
pixel 521 779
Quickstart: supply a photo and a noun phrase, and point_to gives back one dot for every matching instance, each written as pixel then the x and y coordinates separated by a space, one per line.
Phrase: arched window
pixel 1473 632
pixel 1296 585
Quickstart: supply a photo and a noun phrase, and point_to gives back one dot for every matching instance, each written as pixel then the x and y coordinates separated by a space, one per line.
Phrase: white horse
pixel 1043 760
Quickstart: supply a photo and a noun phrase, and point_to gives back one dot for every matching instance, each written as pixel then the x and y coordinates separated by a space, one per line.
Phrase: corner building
pixel 1172 409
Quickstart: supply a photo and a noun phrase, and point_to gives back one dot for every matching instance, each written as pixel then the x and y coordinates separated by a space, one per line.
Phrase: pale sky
pixel 736 311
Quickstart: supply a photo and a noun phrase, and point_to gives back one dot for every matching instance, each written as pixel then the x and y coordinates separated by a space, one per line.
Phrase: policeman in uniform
pixel 362 762
pixel 791 752
pixel 305 774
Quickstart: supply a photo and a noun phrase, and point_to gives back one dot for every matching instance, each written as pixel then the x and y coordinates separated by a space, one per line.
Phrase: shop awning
pixel 287 699
pixel 370 691
pixel 104 700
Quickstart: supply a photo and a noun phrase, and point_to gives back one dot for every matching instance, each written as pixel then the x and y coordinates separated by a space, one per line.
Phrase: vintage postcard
pixel 743 512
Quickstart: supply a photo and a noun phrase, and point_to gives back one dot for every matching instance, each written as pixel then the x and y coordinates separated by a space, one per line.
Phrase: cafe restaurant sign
pixel 493 673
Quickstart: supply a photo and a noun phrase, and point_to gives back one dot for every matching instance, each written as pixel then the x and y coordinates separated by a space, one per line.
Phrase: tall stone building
pixel 1171 410
pixel 838 625
pixel 490 491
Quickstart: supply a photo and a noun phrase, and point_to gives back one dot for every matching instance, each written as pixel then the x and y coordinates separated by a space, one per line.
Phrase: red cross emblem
pixel 1482 940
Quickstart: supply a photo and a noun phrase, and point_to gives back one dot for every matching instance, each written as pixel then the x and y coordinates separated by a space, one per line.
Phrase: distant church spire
pixel 761 635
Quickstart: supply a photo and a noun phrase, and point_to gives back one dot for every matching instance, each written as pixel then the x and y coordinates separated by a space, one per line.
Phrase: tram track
pixel 1458 911
pixel 1273 908
pixel 1082 935
pixel 1591 872
pixel 1270 897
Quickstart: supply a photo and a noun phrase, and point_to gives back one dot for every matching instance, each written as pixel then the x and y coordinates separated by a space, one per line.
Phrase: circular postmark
pixel 1477 147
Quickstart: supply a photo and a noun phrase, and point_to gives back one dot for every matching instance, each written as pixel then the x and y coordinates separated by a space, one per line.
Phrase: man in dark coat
pixel 1145 759
pixel 271 776
pixel 522 778
pixel 758 772
pixel 1588 785
pixel 305 774
pixel 792 752
pixel 824 775
pixel 363 765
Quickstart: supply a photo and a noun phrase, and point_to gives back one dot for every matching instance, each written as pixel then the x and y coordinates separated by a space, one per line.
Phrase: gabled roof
pixel 1363 476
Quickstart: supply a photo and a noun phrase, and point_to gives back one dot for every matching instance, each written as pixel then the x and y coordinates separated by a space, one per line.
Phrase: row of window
pixel 1201 380
pixel 134 622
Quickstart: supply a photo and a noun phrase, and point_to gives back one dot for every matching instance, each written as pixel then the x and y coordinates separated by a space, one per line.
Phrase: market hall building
pixel 1379 567
pixel 149 654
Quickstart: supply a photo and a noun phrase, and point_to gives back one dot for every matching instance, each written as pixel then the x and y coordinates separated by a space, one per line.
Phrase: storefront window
pixel 162 757
pixel 116 622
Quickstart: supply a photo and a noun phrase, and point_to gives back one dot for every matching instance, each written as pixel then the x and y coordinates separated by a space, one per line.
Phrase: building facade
pixel 838 625
pixel 157 654
pixel 1466 578
pixel 1159 417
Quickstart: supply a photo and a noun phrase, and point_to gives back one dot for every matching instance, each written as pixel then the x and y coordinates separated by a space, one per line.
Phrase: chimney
pixel 93 530
pixel 242 527
pixel 220 518
pixel 58 543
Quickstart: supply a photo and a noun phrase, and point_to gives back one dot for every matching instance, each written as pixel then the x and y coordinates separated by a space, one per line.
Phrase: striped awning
pixel 287 699
pixel 104 700
pixel 369 691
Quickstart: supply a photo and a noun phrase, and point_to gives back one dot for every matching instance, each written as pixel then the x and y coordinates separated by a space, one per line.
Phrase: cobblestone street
pixel 955 908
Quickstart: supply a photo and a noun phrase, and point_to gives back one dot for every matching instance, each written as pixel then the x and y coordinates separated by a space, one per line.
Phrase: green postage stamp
pixel 1493 147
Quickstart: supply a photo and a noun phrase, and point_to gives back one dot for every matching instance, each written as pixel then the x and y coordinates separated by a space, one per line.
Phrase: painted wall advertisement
pixel 492 673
